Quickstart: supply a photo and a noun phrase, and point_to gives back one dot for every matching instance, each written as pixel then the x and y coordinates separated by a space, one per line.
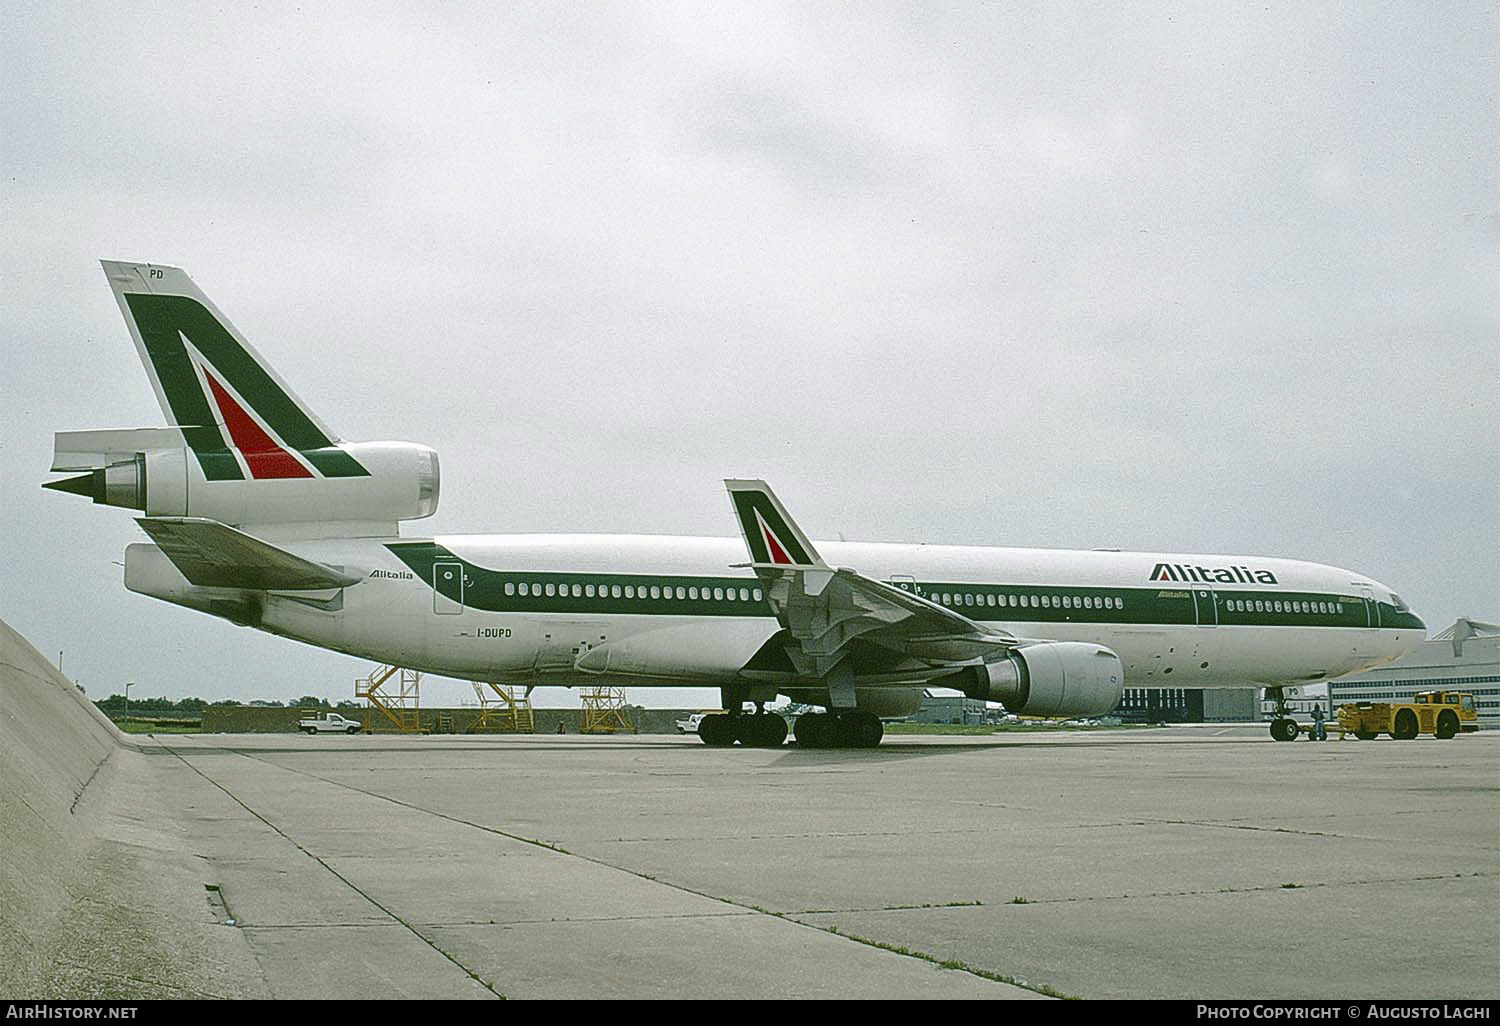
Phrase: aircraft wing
pixel 825 609
pixel 215 555
pixel 851 605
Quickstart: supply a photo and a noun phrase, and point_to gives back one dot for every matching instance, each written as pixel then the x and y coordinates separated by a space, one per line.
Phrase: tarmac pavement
pixel 1185 862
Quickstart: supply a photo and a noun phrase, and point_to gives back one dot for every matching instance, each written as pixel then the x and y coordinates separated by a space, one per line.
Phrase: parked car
pixel 331 723
pixel 690 725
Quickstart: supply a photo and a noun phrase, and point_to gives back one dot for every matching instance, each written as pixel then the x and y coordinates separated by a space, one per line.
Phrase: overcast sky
pixel 1196 278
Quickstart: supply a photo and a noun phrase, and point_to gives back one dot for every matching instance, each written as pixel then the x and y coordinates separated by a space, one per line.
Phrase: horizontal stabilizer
pixel 95 450
pixel 214 555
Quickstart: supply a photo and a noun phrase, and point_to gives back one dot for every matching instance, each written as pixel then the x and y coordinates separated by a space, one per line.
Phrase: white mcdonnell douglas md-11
pixel 260 514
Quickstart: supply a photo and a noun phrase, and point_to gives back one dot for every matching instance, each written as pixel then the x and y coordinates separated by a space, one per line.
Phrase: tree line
pixel 114 705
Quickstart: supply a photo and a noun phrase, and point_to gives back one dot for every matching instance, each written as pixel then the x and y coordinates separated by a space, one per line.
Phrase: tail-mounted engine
pixel 1053 678
pixel 153 470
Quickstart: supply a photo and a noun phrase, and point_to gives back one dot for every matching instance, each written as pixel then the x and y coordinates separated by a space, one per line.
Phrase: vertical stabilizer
pixel 236 414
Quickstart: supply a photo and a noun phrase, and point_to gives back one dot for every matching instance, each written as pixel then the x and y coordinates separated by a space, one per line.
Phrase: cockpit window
pixel 1396 601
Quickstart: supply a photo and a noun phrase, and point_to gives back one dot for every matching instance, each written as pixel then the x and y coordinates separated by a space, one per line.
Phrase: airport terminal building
pixel 1465 657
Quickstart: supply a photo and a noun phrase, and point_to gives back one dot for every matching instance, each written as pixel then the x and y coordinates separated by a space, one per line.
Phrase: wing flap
pixel 214 555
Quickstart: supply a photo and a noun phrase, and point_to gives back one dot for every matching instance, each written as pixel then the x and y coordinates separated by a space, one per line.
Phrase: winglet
pixel 769 533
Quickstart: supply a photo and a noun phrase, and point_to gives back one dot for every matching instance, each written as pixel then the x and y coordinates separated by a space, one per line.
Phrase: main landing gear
pixel 1283 727
pixel 753 730
pixel 841 728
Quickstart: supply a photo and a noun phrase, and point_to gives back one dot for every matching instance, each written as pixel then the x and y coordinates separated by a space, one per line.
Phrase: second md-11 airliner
pixel 259 513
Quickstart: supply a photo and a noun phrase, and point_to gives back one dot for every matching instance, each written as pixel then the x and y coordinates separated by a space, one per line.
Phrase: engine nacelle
pixel 1051 678
pixel 375 483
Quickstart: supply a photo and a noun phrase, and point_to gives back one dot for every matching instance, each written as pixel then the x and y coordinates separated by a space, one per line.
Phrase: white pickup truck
pixel 690 725
pixel 332 723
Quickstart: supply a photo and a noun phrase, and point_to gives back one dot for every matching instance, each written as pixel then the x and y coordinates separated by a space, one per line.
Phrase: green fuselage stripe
pixel 499 591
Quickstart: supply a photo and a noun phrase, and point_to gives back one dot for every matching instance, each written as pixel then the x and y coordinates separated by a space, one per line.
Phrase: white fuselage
pixel 575 609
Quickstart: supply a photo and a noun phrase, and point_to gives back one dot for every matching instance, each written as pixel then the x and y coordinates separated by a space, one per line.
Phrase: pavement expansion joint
pixel 953 965
pixel 343 879
pixel 924 907
pixel 1150 895
pixel 745 909
pixel 814 835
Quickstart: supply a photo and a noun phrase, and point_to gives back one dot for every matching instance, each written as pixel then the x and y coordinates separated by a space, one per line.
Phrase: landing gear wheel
pixel 812 730
pixel 862 730
pixel 763 730
pixel 1447 725
pixel 717 731
pixel 1285 730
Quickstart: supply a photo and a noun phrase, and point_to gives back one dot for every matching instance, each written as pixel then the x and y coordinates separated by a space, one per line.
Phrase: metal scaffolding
pixel 402 708
pixel 605 711
pixel 510 713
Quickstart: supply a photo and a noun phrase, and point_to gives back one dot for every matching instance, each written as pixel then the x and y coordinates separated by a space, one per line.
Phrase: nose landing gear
pixel 1283 727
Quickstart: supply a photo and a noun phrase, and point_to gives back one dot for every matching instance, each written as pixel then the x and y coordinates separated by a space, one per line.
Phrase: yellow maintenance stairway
pixel 501 709
pixel 395 694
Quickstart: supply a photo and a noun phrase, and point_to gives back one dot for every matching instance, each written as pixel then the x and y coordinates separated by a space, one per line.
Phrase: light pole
pixel 128 685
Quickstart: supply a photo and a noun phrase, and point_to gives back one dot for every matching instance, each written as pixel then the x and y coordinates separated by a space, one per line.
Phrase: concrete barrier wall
pixel 54 745
pixel 99 898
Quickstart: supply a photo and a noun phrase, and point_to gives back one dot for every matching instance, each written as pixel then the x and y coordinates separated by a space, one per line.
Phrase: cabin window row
pixel 1281 606
pixel 1032 601
pixel 527 589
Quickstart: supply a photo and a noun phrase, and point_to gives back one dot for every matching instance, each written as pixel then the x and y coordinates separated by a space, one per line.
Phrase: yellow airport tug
pixel 1442 713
